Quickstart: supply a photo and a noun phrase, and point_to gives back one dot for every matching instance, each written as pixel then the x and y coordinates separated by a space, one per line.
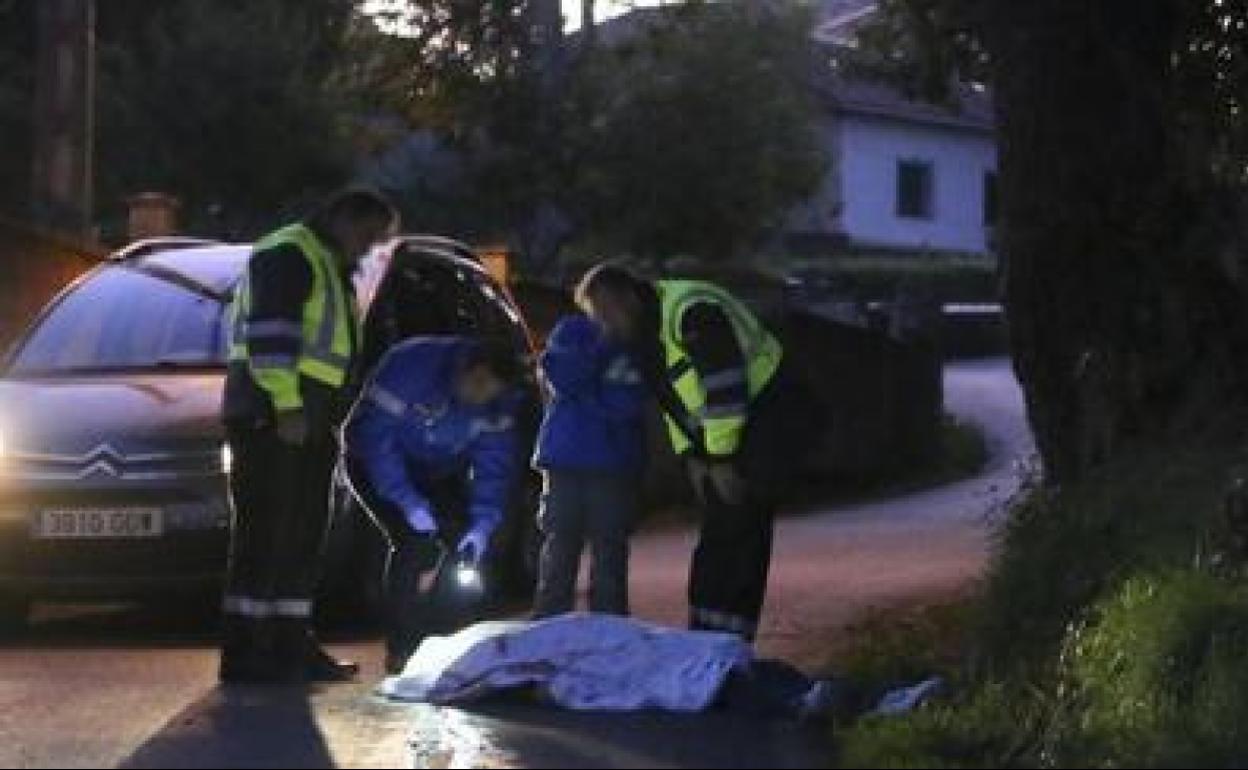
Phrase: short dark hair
pixel 356 203
pixel 610 277
pixel 498 356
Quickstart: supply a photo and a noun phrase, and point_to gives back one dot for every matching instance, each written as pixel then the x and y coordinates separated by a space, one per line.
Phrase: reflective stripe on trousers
pixel 259 609
pixel 723 621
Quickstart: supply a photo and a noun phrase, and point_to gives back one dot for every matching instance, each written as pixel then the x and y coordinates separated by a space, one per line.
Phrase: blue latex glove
pixel 474 544
pixel 420 519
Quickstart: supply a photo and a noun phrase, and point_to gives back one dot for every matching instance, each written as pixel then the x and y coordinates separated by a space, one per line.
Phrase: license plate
pixel 90 523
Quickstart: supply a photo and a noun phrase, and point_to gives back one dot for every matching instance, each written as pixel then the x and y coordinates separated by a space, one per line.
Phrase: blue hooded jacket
pixel 407 429
pixel 594 419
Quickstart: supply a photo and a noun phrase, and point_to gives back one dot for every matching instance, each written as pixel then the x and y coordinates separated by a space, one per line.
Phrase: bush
pixel 1062 549
pixel 946 278
pixel 1104 638
pixel 1155 677
pixel 1160 675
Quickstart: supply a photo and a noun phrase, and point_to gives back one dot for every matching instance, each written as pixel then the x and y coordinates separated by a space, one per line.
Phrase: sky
pixel 603 9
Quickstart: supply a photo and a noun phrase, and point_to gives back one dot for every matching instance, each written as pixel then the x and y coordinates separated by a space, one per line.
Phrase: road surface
pixel 135 687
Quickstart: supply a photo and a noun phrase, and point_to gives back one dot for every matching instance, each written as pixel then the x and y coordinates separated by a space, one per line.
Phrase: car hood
pixel 132 413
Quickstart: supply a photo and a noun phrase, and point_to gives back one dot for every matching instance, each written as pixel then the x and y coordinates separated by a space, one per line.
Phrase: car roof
pixel 218 266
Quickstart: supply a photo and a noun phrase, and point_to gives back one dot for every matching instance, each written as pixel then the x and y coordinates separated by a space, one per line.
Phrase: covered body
pixel 579 661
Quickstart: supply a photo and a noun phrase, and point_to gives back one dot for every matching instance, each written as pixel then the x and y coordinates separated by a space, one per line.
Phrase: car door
pixel 427 290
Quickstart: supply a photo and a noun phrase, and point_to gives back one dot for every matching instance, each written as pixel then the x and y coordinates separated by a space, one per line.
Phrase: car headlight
pixel 227 457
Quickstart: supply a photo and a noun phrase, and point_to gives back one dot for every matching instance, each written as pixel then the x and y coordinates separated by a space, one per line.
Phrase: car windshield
pixel 125 319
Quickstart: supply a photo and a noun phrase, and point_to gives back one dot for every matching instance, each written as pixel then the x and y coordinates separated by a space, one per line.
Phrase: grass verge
pixel 1110 632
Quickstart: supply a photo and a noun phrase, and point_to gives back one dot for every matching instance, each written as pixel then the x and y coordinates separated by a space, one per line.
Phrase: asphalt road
pixel 134 686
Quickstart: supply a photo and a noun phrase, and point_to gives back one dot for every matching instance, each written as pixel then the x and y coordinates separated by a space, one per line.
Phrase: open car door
pixel 430 286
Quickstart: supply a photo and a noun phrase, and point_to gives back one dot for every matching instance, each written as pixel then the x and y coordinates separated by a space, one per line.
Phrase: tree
pixel 17 33
pixel 698 133
pixel 481 78
pixel 1124 172
pixel 451 64
pixel 224 103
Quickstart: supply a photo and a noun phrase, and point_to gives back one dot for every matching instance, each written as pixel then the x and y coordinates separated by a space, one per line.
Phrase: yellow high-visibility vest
pixel 325 333
pixel 720 430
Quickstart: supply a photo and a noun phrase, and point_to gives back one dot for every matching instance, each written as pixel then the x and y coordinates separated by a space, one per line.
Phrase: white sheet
pixel 580 661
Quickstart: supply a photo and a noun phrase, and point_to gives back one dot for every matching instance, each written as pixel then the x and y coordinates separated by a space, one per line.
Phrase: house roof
pixel 838 23
pixel 969 107
pixel 838 20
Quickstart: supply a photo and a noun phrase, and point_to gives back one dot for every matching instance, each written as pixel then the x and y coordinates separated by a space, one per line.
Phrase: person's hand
pixel 474 545
pixel 420 519
pixel 722 477
pixel 291 426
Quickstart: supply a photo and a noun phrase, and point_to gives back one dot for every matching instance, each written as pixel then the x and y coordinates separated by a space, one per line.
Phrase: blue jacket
pixel 594 417
pixel 407 430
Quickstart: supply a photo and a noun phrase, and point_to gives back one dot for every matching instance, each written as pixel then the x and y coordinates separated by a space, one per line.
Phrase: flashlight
pixel 467 576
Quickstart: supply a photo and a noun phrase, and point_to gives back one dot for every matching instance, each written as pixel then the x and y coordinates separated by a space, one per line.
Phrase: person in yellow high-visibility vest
pixel 719 376
pixel 293 342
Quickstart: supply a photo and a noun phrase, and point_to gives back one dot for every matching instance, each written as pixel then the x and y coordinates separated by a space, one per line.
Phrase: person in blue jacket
pixel 591 451
pixel 431 448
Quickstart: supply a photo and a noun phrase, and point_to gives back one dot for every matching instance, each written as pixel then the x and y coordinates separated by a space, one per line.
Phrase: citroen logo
pixel 102 461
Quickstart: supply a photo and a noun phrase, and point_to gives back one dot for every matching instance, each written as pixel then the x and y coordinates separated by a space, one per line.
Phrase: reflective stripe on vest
pixel 717 429
pixel 325 332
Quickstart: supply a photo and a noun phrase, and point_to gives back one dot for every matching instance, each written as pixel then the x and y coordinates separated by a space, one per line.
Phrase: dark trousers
pixel 422 597
pixel 580 506
pixel 728 578
pixel 280 503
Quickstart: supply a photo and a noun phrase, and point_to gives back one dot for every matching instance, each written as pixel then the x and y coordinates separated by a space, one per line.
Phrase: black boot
pixel 298 645
pixel 323 667
pixel 248 654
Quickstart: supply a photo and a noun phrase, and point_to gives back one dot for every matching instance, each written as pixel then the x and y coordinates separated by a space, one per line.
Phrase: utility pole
pixel 588 32
pixel 64 117
pixel 547 37
pixel 548 67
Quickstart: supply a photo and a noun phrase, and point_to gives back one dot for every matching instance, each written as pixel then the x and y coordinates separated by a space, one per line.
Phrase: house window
pixel 990 198
pixel 914 189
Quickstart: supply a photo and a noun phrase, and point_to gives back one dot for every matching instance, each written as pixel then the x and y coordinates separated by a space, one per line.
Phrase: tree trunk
pixel 1115 323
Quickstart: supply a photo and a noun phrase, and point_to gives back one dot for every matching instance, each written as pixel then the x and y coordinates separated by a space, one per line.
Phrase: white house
pixel 903 174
